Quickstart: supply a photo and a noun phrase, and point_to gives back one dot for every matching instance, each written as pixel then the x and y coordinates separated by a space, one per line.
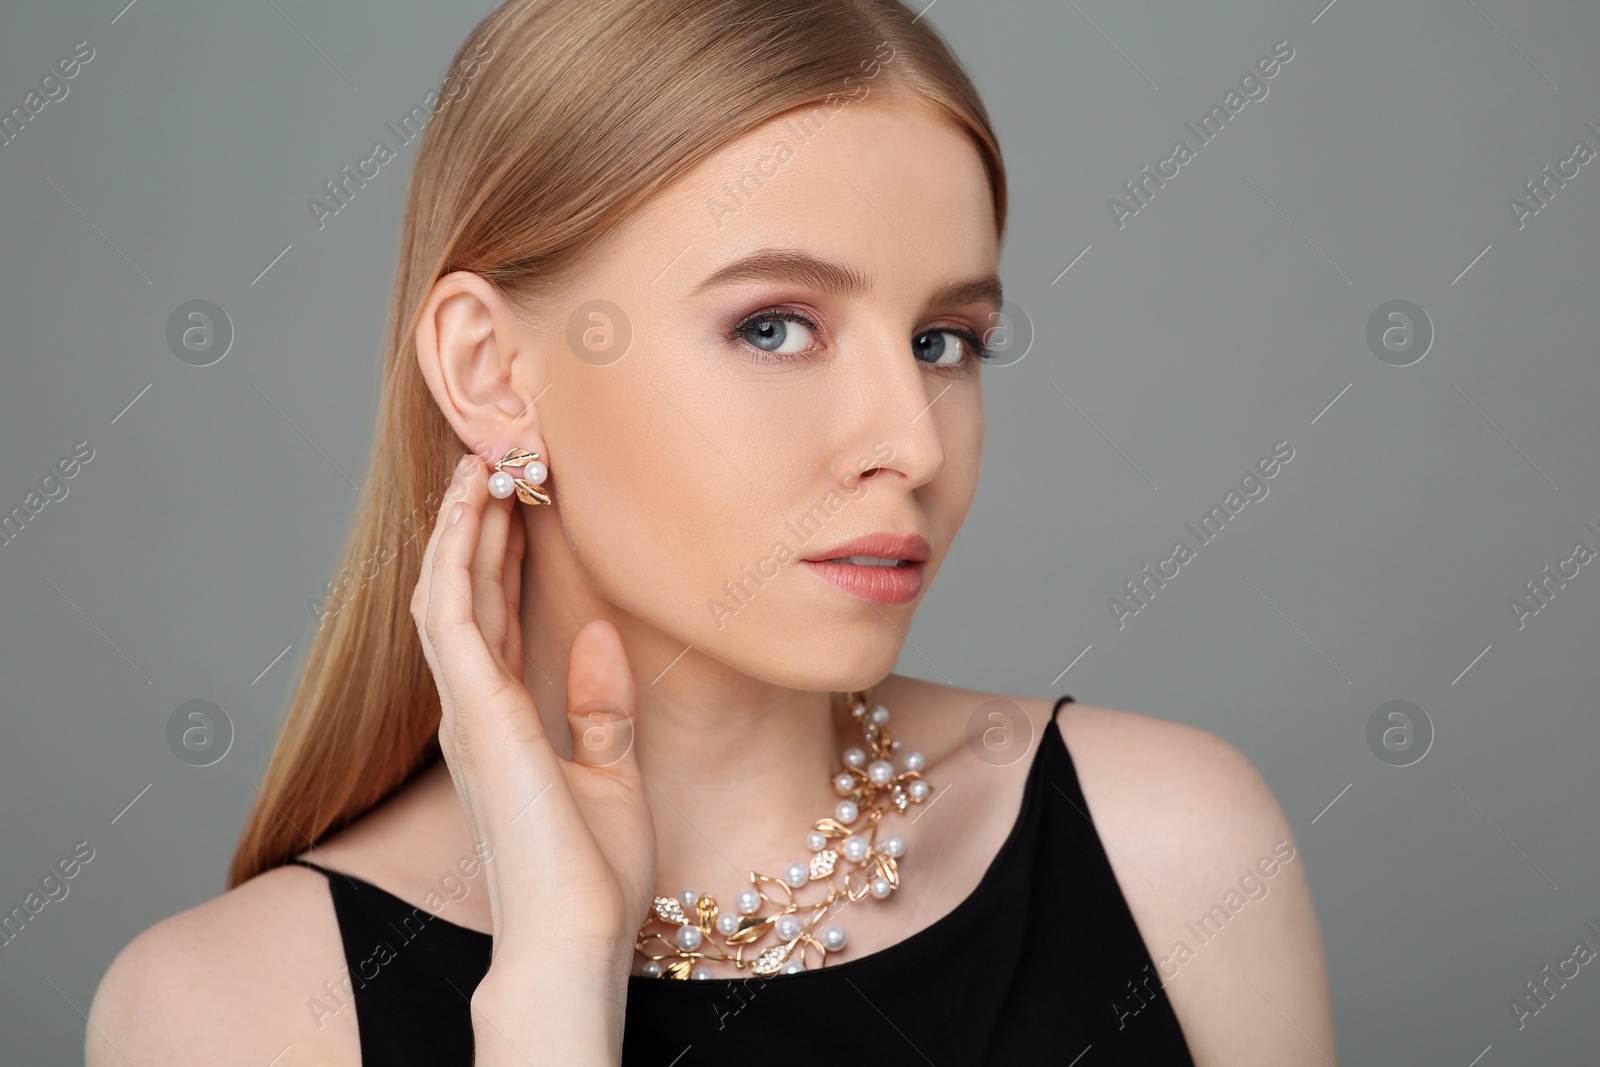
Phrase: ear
pixel 483 364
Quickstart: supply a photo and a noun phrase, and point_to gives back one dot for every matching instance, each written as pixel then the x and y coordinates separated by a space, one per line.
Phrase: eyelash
pixel 976 350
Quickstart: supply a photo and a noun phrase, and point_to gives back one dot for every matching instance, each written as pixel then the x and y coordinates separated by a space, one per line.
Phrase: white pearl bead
pixel 854 757
pixel 501 485
pixel 796 874
pixel 690 898
pixel 688 938
pixel 792 967
pixel 747 901
pixel 535 472
pixel 787 927
pixel 855 848
pixel 727 924
pixel 914 760
pixel 918 789
pixel 880 772
pixel 880 714
pixel 833 937
pixel 843 782
pixel 846 812
pixel 700 972
pixel 894 846
pixel 881 887
pixel 816 841
pixel 652 969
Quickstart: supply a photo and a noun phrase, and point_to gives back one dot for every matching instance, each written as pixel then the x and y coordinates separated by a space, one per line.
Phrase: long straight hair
pixel 559 118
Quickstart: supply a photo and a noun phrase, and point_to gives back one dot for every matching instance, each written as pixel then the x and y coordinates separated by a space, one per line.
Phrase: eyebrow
pixel 803 268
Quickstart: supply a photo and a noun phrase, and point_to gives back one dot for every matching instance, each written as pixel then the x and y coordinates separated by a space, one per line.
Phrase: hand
pixel 570 844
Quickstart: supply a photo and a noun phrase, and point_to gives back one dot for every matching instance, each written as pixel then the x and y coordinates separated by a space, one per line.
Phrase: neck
pixel 735 768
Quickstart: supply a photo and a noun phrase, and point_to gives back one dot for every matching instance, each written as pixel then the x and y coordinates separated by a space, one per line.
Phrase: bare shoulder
pixel 1206 862
pixel 1208 865
pixel 235 980
pixel 260 969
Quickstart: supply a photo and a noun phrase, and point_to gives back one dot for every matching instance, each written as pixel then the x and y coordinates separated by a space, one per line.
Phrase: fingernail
pixel 465 464
pixel 455 516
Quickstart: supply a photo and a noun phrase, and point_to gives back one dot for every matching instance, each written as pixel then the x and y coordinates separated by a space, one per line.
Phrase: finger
pixel 420 595
pixel 470 670
pixel 488 572
pixel 601 699
pixel 516 550
pixel 490 723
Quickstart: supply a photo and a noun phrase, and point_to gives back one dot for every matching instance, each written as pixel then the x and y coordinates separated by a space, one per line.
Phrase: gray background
pixel 1229 314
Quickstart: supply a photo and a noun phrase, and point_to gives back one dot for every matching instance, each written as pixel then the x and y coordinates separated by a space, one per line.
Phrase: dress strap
pixel 308 863
pixel 1063 700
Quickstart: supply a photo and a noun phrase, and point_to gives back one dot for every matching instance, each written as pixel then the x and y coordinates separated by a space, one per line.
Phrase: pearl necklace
pixel 867 776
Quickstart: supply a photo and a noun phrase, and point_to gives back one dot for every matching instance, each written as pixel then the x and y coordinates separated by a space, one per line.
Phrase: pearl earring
pixel 502 484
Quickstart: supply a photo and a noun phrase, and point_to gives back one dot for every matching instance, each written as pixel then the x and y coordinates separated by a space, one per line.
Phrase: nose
pixel 893 409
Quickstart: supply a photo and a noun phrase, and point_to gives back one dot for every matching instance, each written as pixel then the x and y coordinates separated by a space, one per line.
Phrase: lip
pixel 880 585
pixel 913 547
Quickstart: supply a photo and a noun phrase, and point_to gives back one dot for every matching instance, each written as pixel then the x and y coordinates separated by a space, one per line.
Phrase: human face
pixel 760 418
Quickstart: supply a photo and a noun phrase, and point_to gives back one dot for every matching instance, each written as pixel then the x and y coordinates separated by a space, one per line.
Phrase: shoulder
pixel 1208 864
pixel 1206 861
pixel 1155 777
pixel 235 980
pixel 1167 786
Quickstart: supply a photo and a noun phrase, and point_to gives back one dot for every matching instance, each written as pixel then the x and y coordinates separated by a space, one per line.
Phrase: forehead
pixel 882 185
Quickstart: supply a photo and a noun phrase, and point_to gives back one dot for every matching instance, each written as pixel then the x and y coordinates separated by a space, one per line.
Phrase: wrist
pixel 571 1010
pixel 518 959
pixel 594 978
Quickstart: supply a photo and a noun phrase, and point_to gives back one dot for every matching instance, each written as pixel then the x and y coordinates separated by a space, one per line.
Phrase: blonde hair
pixel 567 116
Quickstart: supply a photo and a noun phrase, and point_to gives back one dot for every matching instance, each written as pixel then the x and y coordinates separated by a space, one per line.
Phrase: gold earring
pixel 527 487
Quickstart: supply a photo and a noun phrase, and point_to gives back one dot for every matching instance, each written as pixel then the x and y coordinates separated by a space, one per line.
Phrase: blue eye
pixel 784 334
pixel 932 348
pixel 772 331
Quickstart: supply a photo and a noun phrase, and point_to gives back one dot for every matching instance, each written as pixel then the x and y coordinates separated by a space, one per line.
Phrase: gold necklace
pixel 696 924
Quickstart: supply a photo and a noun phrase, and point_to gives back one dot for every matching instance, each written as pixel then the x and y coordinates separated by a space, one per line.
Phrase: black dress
pixel 1040 964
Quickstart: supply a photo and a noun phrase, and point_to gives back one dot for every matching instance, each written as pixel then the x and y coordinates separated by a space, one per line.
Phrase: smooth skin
pixel 674 466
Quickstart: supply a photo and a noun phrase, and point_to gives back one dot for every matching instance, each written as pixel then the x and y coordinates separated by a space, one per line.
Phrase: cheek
pixel 957 483
pixel 666 483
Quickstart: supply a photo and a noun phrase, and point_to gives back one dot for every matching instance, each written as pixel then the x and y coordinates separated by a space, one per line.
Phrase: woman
pixel 595 763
